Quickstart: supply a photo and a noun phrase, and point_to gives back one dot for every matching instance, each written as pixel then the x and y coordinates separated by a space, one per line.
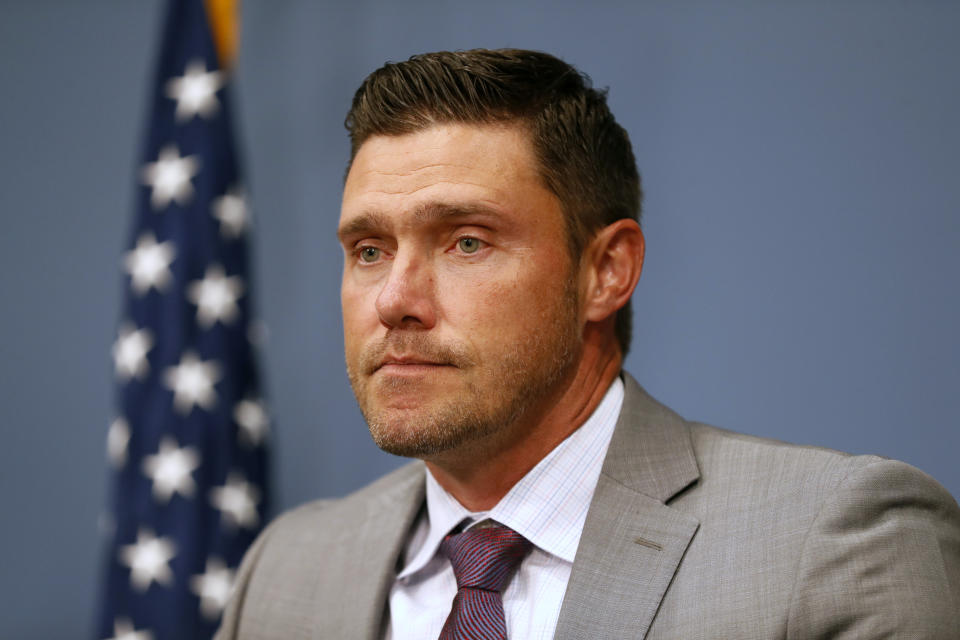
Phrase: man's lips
pixel 408 364
pixel 412 354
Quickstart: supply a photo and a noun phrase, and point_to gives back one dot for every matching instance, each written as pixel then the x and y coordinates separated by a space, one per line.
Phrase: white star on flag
pixel 130 352
pixel 123 630
pixel 170 470
pixel 232 212
pixel 147 559
pixel 118 437
pixel 195 91
pixel 213 587
pixel 149 263
pixel 169 177
pixel 215 296
pixel 237 500
pixel 251 417
pixel 192 382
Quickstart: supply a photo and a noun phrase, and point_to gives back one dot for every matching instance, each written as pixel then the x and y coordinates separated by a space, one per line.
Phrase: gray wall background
pixel 801 167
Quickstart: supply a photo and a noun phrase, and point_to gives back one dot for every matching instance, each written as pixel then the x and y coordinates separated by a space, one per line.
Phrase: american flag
pixel 188 446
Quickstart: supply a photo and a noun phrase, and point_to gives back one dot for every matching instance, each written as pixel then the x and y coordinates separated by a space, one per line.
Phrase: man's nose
pixel 406 300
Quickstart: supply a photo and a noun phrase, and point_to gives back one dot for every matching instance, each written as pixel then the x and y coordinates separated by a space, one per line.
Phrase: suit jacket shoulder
pixel 698 532
pixel 814 543
pixel 323 570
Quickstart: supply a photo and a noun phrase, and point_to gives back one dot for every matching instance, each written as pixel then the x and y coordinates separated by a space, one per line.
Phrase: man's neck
pixel 478 474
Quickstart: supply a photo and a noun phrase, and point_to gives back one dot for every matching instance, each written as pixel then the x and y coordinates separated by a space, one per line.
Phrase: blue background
pixel 800 163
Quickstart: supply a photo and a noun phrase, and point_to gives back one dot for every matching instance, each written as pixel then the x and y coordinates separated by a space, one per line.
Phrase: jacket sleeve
pixel 881 560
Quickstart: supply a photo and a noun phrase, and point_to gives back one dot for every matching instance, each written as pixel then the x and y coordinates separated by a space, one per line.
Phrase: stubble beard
pixel 490 403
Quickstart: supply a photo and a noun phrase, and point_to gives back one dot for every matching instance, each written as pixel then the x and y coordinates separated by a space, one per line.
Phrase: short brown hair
pixel 585 157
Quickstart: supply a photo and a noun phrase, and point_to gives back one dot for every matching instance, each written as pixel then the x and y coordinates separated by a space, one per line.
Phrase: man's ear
pixel 614 260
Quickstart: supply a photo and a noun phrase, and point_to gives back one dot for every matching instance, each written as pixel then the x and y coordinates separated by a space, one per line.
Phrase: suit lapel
pixel 632 542
pixel 376 536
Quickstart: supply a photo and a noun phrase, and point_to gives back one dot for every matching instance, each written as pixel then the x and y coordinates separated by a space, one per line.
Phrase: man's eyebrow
pixel 374 221
pixel 436 212
pixel 364 223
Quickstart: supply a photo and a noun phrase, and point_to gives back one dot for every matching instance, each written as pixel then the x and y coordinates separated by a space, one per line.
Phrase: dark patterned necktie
pixel 483 559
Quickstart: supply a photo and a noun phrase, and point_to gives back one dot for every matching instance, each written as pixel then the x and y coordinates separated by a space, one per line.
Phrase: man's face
pixel 460 304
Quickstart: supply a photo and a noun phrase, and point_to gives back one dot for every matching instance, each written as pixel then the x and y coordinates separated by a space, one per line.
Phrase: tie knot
pixel 485 558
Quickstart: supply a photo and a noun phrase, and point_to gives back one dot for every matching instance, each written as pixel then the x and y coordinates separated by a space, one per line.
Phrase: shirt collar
pixel 548 506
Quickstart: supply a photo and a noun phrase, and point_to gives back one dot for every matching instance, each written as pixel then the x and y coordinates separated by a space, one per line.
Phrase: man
pixel 491 240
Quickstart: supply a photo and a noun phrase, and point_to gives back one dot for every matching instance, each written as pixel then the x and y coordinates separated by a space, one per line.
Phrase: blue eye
pixel 468 245
pixel 369 254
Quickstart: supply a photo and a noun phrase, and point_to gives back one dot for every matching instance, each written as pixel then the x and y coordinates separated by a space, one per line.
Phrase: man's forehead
pixel 454 148
pixel 441 172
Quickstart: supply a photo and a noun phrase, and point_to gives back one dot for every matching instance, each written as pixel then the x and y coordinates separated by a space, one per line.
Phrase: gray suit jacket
pixel 693 532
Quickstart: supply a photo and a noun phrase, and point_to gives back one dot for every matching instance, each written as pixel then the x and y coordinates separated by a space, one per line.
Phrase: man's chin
pixel 417 431
pixel 404 439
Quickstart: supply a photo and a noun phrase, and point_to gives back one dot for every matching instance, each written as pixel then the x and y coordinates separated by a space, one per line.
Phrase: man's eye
pixel 369 254
pixel 468 245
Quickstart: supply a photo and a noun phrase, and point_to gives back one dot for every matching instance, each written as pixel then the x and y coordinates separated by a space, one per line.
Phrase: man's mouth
pixel 412 354
pixel 408 364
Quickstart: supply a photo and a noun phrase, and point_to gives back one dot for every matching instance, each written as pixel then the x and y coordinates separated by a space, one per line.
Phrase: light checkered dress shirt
pixel 548 507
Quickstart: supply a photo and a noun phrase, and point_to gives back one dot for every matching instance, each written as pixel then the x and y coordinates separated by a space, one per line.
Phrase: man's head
pixel 484 267
pixel 583 156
